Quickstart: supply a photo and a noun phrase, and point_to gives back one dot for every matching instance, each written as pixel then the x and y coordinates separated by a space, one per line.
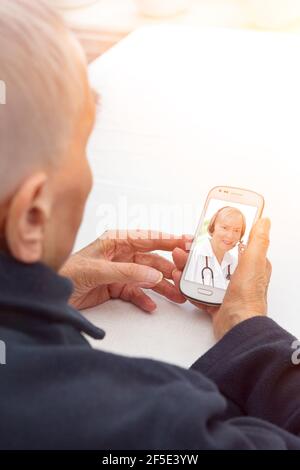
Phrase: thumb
pixel 259 240
pixel 180 258
pixel 130 272
pixel 176 276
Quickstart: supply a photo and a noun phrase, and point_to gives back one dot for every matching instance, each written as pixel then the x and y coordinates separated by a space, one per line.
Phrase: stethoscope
pixel 211 273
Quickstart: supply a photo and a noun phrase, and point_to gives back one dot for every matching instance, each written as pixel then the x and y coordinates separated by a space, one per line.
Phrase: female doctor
pixel 213 260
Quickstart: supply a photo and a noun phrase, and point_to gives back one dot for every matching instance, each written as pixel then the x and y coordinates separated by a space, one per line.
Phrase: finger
pixel 136 296
pixel 147 240
pixel 269 270
pixel 109 272
pixel 156 261
pixel 268 275
pixel 258 242
pixel 180 258
pixel 115 290
pixel 176 275
pixel 176 278
pixel 169 291
pixel 241 248
pixel 210 310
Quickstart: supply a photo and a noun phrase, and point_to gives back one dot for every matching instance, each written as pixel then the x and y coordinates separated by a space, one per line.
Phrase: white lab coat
pixel 198 261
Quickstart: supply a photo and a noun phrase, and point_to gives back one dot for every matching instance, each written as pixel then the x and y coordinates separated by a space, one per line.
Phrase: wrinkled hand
pixel 246 296
pixel 241 249
pixel 119 268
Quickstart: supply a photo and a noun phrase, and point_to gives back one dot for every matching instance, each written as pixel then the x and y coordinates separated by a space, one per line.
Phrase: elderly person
pixel 213 260
pixel 57 392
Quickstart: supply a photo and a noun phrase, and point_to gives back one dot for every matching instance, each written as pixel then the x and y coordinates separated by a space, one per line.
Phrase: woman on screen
pixel 214 259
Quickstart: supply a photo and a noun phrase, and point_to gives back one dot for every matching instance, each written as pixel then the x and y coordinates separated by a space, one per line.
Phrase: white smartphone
pixel 221 236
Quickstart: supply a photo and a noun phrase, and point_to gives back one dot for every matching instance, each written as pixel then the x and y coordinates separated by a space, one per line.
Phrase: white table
pixel 183 110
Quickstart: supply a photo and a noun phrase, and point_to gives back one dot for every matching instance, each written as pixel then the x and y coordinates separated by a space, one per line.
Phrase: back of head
pixel 44 88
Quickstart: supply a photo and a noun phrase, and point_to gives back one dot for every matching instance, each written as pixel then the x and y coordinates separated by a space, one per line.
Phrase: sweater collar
pixel 38 290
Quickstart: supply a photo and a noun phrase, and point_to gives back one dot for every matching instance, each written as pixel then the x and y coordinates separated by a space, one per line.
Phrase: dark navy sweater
pixel 56 392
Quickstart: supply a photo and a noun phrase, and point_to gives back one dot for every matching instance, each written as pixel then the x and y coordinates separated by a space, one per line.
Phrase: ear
pixel 26 219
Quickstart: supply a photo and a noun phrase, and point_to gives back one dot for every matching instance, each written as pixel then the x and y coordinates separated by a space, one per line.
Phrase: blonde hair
pixel 45 89
pixel 228 209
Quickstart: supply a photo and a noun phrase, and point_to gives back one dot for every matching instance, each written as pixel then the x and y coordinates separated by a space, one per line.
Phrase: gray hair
pixel 45 89
pixel 228 209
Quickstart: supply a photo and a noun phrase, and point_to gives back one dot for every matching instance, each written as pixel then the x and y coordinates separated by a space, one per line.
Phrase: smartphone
pixel 220 239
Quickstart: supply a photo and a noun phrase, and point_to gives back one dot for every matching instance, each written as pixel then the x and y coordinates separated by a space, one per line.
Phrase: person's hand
pixel 246 296
pixel 241 249
pixel 111 268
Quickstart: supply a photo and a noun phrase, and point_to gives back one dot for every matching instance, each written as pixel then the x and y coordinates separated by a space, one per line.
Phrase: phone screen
pixel 219 242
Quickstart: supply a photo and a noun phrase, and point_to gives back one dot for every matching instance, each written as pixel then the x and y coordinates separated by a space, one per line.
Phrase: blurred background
pixel 100 24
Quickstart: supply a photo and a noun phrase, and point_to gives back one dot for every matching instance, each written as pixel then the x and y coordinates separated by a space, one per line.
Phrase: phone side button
pixel 205 291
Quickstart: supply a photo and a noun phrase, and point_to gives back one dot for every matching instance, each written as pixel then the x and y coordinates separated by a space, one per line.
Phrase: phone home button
pixel 204 291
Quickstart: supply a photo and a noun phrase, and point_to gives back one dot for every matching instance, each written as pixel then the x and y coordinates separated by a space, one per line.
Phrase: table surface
pixel 184 110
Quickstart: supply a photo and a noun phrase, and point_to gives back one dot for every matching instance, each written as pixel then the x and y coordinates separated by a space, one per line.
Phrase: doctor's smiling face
pixel 226 228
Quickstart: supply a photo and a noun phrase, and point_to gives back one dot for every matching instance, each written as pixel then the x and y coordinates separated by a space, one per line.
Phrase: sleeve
pixel 255 367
